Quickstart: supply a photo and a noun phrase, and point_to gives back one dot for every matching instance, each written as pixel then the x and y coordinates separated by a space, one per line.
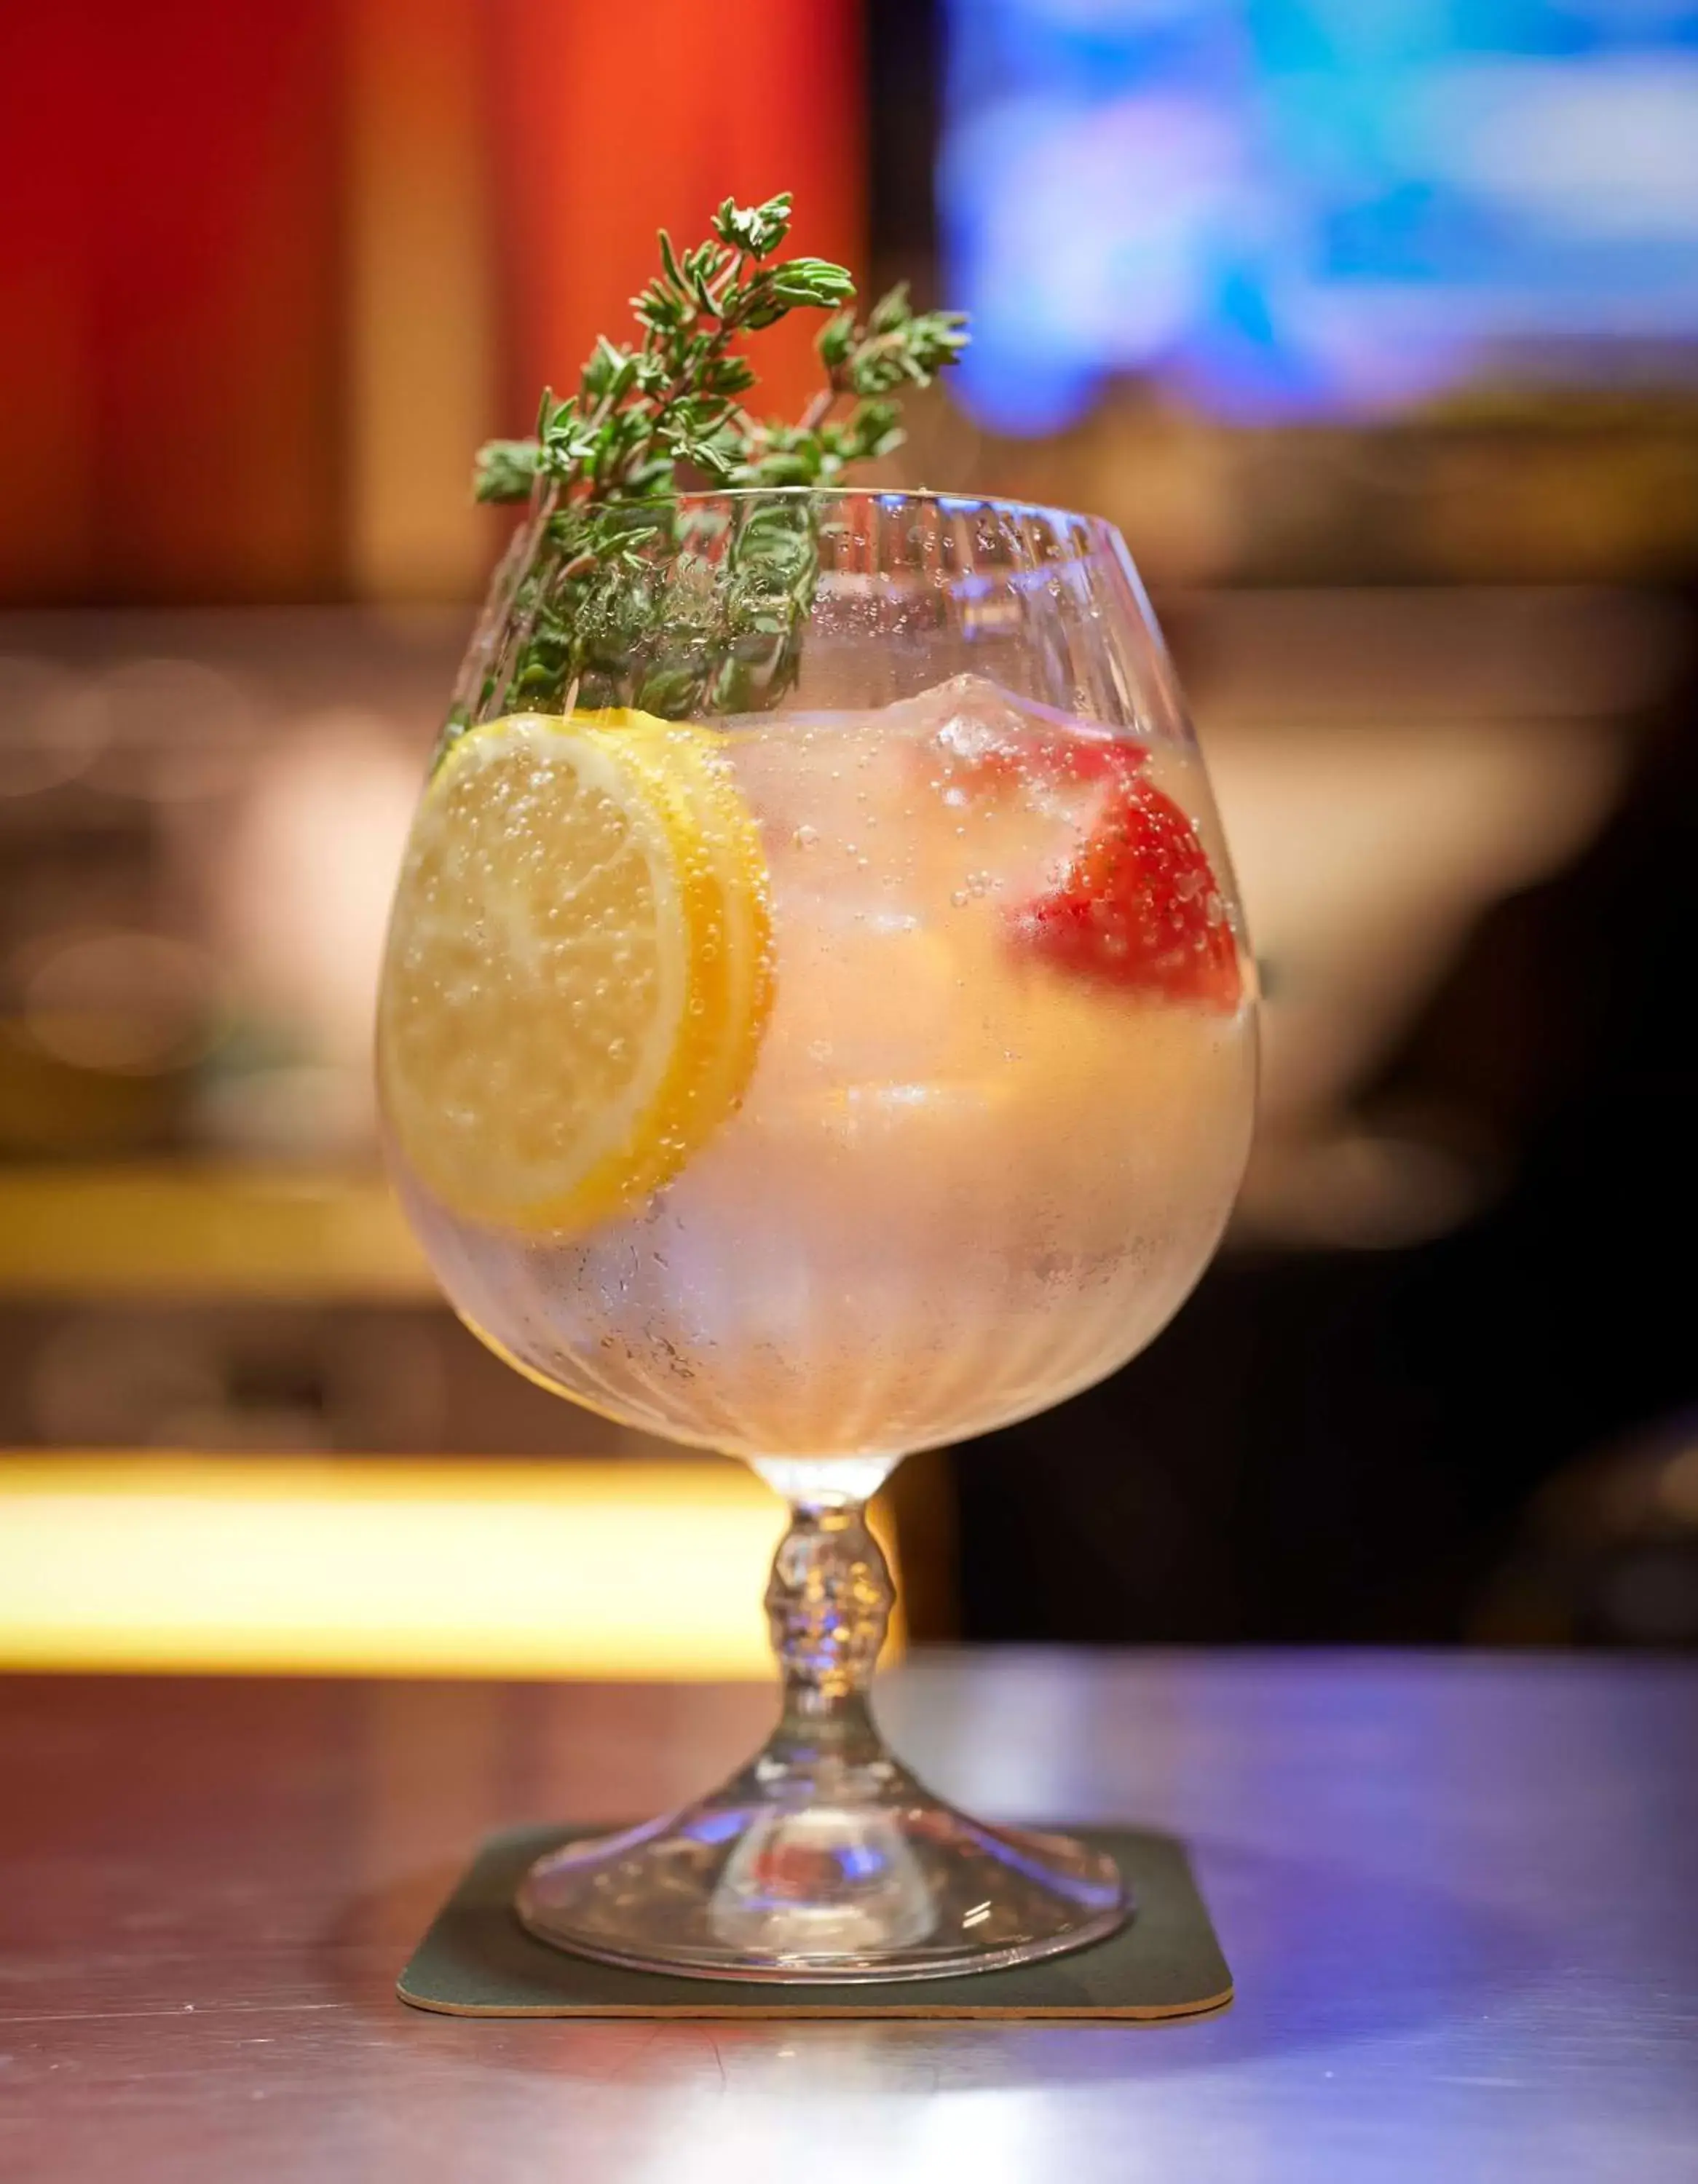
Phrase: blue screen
pixel 1282 207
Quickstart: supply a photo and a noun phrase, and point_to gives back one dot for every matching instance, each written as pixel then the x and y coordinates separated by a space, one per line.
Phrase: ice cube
pixel 981 730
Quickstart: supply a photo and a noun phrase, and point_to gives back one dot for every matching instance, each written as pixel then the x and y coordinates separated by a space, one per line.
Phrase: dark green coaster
pixel 477 1961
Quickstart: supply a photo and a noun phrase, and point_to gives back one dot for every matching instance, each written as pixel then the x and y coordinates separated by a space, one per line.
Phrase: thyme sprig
pixel 589 612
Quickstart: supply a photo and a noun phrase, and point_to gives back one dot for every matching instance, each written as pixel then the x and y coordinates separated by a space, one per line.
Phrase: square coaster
pixel 477 1960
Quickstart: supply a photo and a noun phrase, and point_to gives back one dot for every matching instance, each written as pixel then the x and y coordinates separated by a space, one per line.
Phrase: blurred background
pixel 1376 329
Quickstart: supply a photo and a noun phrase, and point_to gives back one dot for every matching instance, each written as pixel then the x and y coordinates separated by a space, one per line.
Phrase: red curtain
pixel 168 273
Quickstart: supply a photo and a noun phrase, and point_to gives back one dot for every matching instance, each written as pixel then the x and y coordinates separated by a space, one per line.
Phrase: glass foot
pixel 851 1890
pixel 824 1859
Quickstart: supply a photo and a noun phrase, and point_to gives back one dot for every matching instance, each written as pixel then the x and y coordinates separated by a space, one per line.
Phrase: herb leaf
pixel 581 612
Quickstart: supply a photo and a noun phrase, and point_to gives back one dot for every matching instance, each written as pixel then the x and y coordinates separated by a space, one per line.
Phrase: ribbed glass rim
pixel 888 496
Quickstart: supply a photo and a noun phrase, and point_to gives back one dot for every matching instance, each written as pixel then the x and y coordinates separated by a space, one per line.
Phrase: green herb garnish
pixel 590 609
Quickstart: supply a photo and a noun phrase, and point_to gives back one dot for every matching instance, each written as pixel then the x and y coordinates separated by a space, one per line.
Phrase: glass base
pixel 824 1861
pixel 871 1878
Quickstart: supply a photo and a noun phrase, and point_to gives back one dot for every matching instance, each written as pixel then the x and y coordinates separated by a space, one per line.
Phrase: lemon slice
pixel 578 975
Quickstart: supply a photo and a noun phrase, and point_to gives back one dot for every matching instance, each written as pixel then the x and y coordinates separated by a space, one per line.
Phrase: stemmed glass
pixel 817 1025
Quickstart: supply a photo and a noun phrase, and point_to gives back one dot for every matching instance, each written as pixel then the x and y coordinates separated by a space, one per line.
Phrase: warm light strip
pixel 350 1566
pixel 224 1232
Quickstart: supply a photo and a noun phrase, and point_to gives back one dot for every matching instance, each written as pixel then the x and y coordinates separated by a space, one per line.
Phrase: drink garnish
pixel 579 967
pixel 1138 907
pixel 669 415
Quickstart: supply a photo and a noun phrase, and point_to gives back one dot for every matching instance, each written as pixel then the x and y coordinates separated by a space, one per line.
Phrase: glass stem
pixel 829 1602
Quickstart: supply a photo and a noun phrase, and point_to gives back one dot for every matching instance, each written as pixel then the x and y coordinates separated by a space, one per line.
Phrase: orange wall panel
pixel 421 364
pixel 617 120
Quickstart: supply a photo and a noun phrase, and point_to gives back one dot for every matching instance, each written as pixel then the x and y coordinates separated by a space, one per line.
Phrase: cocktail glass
pixel 854 1060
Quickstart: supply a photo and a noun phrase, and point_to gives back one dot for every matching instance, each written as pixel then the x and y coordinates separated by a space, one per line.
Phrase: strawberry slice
pixel 1139 906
